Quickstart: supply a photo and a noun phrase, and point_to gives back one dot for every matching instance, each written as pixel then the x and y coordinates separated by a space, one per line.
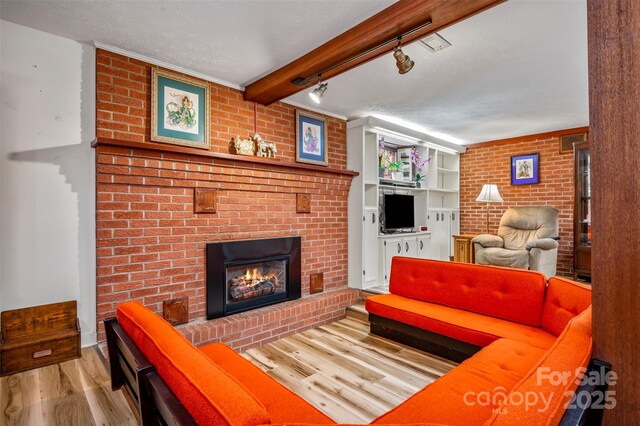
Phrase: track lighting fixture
pixel 318 92
pixel 403 62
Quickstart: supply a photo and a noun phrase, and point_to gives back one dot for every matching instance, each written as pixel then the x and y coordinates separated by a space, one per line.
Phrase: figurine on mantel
pixel 264 148
pixel 244 146
pixel 254 145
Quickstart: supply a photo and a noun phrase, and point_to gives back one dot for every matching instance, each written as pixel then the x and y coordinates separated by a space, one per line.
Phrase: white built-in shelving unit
pixel 436 201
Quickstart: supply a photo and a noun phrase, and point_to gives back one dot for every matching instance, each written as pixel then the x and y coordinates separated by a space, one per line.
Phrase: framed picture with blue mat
pixel 311 139
pixel 179 110
pixel 525 169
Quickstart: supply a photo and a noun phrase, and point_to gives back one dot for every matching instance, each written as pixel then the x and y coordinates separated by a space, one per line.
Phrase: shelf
pixel 368 182
pixel 404 234
pixel 447 171
pixel 451 191
pixel 407 188
pixel 217 155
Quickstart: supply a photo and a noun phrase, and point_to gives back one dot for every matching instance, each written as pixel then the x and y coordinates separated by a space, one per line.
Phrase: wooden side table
pixel 463 248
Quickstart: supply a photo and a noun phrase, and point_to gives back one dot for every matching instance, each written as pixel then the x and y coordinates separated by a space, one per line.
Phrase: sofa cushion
pixel 460 397
pixel 519 225
pixel 510 294
pixel 469 327
pixel 282 405
pixel 210 395
pixel 568 357
pixel 509 258
pixel 564 300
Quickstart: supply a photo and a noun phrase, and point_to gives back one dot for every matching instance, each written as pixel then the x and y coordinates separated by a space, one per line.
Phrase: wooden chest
pixel 38 336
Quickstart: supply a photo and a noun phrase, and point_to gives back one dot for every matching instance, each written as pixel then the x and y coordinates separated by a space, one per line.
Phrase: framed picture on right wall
pixel 525 169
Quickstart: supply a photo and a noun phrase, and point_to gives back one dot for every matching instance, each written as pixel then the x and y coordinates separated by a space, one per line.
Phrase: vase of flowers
pixel 420 164
pixel 384 157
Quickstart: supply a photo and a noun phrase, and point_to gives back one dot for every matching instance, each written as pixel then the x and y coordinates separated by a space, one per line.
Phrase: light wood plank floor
pixel 339 368
pixel 346 373
pixel 76 392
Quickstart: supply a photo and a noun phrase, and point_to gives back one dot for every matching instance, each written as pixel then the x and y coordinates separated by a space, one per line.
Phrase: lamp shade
pixel 490 194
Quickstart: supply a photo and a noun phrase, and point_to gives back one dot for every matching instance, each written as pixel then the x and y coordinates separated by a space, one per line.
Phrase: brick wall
pixel 124 95
pixel 491 163
pixel 150 244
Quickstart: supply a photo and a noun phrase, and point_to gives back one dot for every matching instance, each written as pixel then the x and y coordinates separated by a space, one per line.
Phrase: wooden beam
pixel 614 90
pixel 397 19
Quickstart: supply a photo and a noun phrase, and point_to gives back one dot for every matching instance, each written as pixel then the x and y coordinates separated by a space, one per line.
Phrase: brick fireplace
pixel 151 246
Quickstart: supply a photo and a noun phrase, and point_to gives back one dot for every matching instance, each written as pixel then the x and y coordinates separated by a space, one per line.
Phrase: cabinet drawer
pixel 39 354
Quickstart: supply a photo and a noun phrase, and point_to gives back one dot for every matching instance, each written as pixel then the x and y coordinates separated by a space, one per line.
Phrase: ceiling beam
pixel 364 42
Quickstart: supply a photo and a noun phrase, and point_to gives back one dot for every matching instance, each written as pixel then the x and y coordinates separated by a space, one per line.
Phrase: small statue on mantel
pixel 254 145
pixel 264 148
pixel 244 146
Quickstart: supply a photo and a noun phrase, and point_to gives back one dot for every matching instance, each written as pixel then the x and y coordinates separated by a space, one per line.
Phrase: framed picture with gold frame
pixel 179 110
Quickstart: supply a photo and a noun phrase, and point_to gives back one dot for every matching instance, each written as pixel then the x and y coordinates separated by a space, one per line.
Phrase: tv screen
pixel 398 212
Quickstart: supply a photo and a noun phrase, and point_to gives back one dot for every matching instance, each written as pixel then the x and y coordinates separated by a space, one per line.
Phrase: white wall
pixel 47 173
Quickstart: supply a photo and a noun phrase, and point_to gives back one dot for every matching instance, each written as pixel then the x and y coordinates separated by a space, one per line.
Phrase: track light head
pixel 318 92
pixel 403 62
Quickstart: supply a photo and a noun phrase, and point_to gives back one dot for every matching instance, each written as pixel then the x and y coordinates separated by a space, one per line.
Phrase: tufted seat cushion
pixel 494 370
pixel 565 299
pixel 567 360
pixel 510 294
pixel 476 329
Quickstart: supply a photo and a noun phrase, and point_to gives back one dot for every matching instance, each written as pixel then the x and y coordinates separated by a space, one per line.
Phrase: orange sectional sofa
pixel 523 330
pixel 541 330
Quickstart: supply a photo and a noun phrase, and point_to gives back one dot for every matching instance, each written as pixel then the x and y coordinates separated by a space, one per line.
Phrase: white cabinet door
pixel 439 225
pixel 392 247
pixel 454 229
pixel 370 249
pixel 424 247
pixel 410 247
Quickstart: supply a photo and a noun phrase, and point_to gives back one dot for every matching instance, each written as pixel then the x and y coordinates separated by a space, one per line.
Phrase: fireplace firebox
pixel 244 275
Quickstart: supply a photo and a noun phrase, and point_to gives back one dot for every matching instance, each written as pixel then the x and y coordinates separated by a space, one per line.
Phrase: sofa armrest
pixel 543 244
pixel 486 240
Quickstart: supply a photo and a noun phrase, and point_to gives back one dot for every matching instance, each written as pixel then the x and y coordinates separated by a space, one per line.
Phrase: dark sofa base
pixel 418 338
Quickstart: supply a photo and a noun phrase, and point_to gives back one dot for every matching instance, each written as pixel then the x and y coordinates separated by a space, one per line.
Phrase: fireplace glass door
pixel 251 281
pixel 250 274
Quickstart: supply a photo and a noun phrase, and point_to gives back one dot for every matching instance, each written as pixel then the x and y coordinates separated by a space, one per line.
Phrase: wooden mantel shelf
pixel 230 157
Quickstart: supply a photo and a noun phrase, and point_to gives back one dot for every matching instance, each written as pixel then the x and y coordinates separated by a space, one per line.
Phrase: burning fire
pixel 253 277
pixel 253 284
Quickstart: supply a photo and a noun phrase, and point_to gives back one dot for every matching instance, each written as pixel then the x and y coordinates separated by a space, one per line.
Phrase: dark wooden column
pixel 614 100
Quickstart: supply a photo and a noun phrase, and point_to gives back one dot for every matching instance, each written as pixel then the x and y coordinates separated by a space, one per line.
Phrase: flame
pixel 252 276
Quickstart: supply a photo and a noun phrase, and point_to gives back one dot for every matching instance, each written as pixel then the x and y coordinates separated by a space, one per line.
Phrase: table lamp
pixel 489 194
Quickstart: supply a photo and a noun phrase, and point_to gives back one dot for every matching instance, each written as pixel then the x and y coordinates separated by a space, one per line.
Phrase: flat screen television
pixel 398 212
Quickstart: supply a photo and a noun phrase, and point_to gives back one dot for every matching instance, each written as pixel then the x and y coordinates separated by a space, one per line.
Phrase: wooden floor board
pixel 76 392
pixel 20 399
pixel 351 376
pixel 62 395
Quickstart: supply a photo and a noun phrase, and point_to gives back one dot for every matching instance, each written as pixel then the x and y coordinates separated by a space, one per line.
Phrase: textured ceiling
pixel 234 40
pixel 516 69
